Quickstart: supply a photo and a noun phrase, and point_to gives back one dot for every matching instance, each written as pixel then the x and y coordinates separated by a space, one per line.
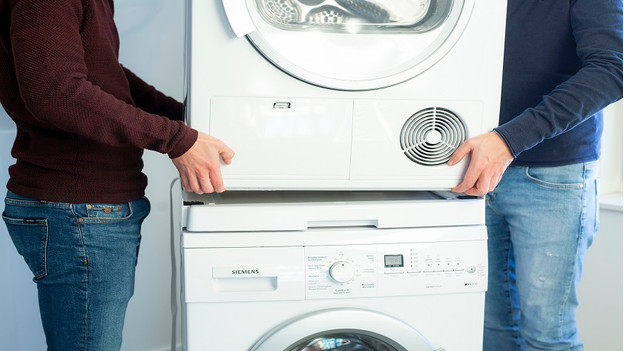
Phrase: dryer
pixel 344 94
pixel 314 271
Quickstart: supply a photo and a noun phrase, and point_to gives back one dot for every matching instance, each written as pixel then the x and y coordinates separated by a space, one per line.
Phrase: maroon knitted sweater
pixel 83 120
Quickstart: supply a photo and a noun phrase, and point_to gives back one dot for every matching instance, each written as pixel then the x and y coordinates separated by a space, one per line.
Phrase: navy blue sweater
pixel 563 65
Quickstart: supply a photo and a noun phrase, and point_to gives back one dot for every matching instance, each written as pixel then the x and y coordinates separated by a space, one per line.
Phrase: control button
pixel 471 269
pixel 342 271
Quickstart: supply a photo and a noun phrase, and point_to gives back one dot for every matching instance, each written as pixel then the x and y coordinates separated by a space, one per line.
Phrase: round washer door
pixel 354 44
pixel 344 330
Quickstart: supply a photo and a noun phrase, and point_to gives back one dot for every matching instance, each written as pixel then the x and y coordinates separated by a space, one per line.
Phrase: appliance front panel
pixel 294 143
pixel 285 138
pixel 395 269
pixel 411 140
pixel 243 274
pixel 334 272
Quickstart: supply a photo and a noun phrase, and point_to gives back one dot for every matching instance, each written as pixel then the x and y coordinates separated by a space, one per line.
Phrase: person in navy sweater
pixel 538 168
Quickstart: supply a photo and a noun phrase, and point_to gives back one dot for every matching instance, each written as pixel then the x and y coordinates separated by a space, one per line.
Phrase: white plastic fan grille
pixel 430 136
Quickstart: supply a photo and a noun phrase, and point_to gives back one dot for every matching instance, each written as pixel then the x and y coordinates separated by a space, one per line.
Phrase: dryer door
pixel 344 330
pixel 351 44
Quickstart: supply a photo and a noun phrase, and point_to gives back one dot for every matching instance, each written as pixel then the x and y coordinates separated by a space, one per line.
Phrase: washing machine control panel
pixel 395 269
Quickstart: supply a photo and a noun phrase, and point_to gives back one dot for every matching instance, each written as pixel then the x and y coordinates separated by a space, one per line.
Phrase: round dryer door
pixel 343 330
pixel 351 44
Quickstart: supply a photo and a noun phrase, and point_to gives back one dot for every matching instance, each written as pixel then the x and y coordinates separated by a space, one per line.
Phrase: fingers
pixel 470 178
pixel 205 180
pixel 480 181
pixel 481 187
pixel 216 181
pixel 464 149
pixel 490 158
pixel 226 154
pixel 193 184
pixel 196 182
pixel 200 167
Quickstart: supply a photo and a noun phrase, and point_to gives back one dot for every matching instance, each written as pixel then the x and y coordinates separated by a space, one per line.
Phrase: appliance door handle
pixel 355 222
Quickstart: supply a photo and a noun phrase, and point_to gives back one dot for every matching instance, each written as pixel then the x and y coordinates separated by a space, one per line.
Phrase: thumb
pixel 227 154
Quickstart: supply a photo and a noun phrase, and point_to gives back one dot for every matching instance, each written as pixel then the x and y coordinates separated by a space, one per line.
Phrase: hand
pixel 490 158
pixel 200 168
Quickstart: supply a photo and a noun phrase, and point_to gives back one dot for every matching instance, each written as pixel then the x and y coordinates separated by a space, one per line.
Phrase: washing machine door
pixel 343 330
pixel 351 44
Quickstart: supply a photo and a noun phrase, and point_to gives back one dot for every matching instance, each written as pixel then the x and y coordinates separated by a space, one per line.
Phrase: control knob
pixel 342 271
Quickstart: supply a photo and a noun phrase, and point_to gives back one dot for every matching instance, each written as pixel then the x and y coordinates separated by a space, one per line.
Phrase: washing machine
pixel 344 94
pixel 340 271
pixel 337 231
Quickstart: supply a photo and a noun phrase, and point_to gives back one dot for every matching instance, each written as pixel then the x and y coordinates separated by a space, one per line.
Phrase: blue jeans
pixel 540 221
pixel 83 258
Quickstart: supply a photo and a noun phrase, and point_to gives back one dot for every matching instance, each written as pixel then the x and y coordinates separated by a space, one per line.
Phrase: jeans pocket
pixel 563 177
pixel 30 237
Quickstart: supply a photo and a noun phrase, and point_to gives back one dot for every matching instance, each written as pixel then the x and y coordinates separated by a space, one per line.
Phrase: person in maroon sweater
pixel 75 199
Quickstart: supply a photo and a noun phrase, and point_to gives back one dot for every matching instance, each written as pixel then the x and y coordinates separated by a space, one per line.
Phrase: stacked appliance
pixel 337 231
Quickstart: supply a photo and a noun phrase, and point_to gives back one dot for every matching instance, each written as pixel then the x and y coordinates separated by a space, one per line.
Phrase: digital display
pixel 391 261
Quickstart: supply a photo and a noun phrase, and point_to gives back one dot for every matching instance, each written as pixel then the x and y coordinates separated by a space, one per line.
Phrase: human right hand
pixel 490 157
pixel 200 166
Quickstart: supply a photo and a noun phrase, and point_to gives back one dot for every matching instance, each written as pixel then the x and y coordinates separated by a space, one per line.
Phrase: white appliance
pixel 343 271
pixel 344 94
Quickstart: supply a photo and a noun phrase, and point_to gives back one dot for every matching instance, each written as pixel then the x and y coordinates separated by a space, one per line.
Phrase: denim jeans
pixel 541 221
pixel 83 258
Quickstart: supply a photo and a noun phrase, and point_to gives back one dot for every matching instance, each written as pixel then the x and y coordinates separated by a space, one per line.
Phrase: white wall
pixel 600 291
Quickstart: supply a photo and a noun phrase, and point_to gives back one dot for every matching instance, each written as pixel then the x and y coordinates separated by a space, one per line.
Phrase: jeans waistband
pixel 19 200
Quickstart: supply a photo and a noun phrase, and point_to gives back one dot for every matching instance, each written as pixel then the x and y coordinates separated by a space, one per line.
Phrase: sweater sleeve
pixel 149 99
pixel 597 29
pixel 54 83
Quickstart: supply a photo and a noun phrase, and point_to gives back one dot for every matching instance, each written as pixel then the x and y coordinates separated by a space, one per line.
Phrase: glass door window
pixel 343 330
pixel 355 16
pixel 345 341
pixel 354 44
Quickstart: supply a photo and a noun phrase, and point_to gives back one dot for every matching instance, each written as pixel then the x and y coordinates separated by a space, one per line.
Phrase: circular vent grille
pixel 430 136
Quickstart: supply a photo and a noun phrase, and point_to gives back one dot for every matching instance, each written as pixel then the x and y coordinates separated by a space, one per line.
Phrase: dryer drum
pixel 430 136
pixel 327 14
pixel 365 9
pixel 281 11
